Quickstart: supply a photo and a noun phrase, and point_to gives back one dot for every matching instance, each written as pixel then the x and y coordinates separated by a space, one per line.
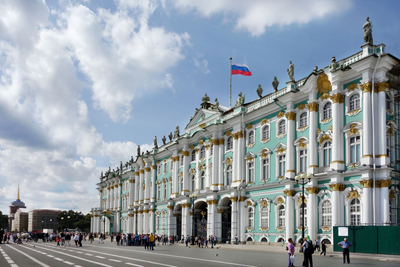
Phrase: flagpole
pixel 230 85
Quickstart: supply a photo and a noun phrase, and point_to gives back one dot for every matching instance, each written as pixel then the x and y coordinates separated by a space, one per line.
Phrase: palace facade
pixel 232 172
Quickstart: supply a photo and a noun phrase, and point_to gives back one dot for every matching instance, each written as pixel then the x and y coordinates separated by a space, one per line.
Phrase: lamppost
pixel 105 213
pixel 136 216
pixel 42 226
pixel 301 179
pixel 193 198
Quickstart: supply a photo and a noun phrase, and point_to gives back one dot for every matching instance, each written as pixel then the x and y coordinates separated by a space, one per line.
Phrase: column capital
pixel 313 107
pixel 337 98
pixel 234 199
pixel 312 190
pixel 141 171
pixel 290 116
pixel 367 183
pixel 337 187
pixel 385 183
pixel 366 87
pixel 289 193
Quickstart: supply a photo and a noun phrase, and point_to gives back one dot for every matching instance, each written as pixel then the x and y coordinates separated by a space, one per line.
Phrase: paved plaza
pixel 108 254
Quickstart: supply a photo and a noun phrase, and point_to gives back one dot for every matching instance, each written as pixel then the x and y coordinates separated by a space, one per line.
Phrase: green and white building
pixel 337 126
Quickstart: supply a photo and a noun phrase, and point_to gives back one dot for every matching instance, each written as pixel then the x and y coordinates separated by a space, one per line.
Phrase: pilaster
pixel 313 156
pixel 289 212
pixel 337 146
pixel 336 203
pixel 367 185
pixel 290 116
pixel 366 159
pixel 312 216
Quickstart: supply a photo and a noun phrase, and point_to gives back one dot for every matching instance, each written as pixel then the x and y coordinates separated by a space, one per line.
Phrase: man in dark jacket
pixel 307 251
pixel 80 239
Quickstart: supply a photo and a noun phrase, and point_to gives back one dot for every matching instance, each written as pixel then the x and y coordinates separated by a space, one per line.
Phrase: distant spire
pixel 18 192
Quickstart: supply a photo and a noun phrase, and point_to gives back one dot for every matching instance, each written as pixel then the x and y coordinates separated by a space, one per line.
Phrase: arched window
pixel 193 155
pixel 157 223
pixel 165 167
pixel 170 188
pixel 158 169
pixel 158 192
pixel 171 164
pixel 303 119
pixel 251 138
pixel 282 127
pixel 355 212
pixel 265 132
pixel 250 175
pixel 264 217
pixel 228 175
pixel 327 213
pixel 355 149
pixel 327 111
pixel 251 218
pixel 203 152
pixel 265 169
pixel 165 190
pixel 281 215
pixel 193 183
pixel 164 222
pixel 388 102
pixel 301 214
pixel 229 143
pixel 327 153
pixel 354 102
pixel 303 160
pixel 203 180
pixel 281 165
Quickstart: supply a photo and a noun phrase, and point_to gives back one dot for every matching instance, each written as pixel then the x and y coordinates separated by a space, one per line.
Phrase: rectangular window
pixel 355 149
pixel 171 165
pixel 282 165
pixel 165 190
pixel 158 192
pixel 265 169
pixel 303 160
pixel 251 172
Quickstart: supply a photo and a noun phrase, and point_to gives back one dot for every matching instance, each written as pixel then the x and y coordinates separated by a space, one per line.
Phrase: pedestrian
pixel 290 252
pixel 215 240
pixel 80 239
pixel 76 239
pixel 317 244
pixel 58 239
pixel 236 238
pixel 112 238
pixel 62 239
pixel 187 240
pixel 307 252
pixel 345 246
pixel 117 239
pixel 67 239
pixel 91 238
pixel 151 241
pixel 323 248
pixel 212 241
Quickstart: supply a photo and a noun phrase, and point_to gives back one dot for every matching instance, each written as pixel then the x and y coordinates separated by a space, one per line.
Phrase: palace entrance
pixel 200 219
pixel 178 216
pixel 226 220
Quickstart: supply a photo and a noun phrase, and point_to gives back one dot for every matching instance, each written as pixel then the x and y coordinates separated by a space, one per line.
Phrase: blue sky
pixel 83 82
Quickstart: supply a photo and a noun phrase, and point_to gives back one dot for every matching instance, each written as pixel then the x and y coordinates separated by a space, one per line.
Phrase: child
pixel 58 239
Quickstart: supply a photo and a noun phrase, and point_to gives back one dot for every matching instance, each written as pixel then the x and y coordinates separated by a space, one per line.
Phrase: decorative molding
pixel 353 113
pixel 353 129
pixel 191 147
pixel 289 193
pixel 301 106
pixel 353 194
pixel 337 187
pixel 325 96
pixel 280 114
pixel 352 86
pixel 313 107
pixel 203 125
pixel 324 137
pixel 337 98
pixel 312 190
pixel 249 126
pixel 328 120
pixel 141 171
pixel 382 86
pixel 233 199
pixel 147 169
pixel 366 183
pixel 386 183
pixel 366 87
pixel 290 116
pixel 228 133
pixel 264 121
pixel 323 84
pixel 300 200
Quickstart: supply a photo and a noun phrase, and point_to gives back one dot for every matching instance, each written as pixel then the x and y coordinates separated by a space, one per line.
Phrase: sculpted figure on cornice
pixel 204 101
pixel 290 71
pixel 138 151
pixel 176 133
pixel 216 105
pixel 155 142
pixel 164 140
pixel 170 136
pixel 334 65
pixel 275 84
pixel 259 91
pixel 368 32
pixel 240 100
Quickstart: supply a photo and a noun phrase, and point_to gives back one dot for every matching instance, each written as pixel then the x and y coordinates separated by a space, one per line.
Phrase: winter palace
pixel 233 171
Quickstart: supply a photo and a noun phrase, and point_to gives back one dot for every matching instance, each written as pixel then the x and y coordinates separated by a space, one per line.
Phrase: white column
pixel 289 213
pixel 336 204
pixel 151 220
pixel 146 221
pixel 117 223
pixel 220 164
pixel 171 221
pixel 367 201
pixel 112 200
pixel 290 169
pixel 208 182
pixel 140 221
pixel 198 172
pixel 337 124
pixel 240 158
pixel 312 153
pixel 153 186
pixel 218 225
pixel 186 220
pixel 130 222
pixel 136 191
pixel 210 217
pixel 235 164
pixel 385 213
pixel 234 219
pixel 108 202
pixel 175 174
pixel 186 162
pixel 134 229
pixel 312 214
pixel 131 192
pixel 382 158
pixel 147 184
pixel 142 181
pixel 243 216
pixel 215 167
pixel 119 199
pixel 367 125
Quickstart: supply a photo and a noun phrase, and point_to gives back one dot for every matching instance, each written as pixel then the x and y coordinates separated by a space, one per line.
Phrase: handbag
pixel 292 259
pixel 287 248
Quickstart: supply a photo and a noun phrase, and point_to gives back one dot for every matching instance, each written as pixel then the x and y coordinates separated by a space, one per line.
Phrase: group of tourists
pixel 64 238
pixel 308 247
pixel 145 240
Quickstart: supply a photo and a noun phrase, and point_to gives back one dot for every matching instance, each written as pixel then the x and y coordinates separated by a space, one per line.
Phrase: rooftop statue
pixel 138 151
pixel 155 142
pixel 126 165
pixel 290 71
pixel 259 91
pixel 101 175
pixel 204 101
pixel 216 105
pixel 164 140
pixel 315 69
pixel 176 133
pixel 170 136
pixel 131 161
pixel 240 100
pixel 334 65
pixel 275 84
pixel 120 165
pixel 368 32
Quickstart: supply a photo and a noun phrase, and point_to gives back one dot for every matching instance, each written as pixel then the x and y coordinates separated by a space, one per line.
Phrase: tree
pixel 68 219
pixel 3 221
pixel 84 224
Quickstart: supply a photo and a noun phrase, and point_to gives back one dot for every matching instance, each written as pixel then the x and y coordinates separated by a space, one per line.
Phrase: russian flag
pixel 240 69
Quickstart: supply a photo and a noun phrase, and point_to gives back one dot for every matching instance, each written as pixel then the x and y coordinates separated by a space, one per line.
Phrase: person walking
pixel 151 241
pixel 67 239
pixel 345 245
pixel 290 251
pixel 236 238
pixel 323 248
pixel 58 239
pixel 76 239
pixel 317 244
pixel 62 239
pixel 307 252
pixel 80 239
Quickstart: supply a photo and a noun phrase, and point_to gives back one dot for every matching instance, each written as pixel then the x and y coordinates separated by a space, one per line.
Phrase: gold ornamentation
pixel 220 211
pixel 141 171
pixel 233 199
pixel 337 161
pixel 366 183
pixel 353 129
pixel 137 173
pixel 326 121
pixel 337 98
pixel 353 194
pixel 249 204
pixel 264 121
pixel 331 128
pixel 203 125
pixel 147 169
pixel 280 200
pixel 264 203
pixel 300 200
pixel 289 193
pixel 323 84
pixel 324 138
pixel 381 156
pixel 281 150
pixel 264 155
pixel 249 158
pixel 153 166
pixel 301 144
pixel 249 229
pixel 312 190
pixel 290 116
pixel 354 112
pixel 201 142
pixel 391 195
pixel 181 174
pixel 228 133
pixel 313 107
pixel 228 161
pixel 221 141
pixel 377 184
pixel 290 171
pixel 337 187
pixel 386 183
pixel 281 135
pixel 197 151
pixel 390 131
pixel 280 114
pixel 382 87
pixel 249 126
pixel 325 96
pixel 207 147
pixel 170 207
pixel 280 229
pixel 191 147
pixel 264 229
pixel 318 131
pixel 352 86
pixel 303 128
pixel 301 106
pixel 366 87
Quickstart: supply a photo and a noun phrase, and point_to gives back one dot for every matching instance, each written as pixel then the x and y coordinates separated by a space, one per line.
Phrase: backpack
pixel 310 248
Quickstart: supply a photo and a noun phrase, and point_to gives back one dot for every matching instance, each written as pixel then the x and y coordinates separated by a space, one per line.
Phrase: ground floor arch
pixel 200 219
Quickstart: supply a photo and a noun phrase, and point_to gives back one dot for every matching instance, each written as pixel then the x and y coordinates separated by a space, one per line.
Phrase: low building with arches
pixel 336 125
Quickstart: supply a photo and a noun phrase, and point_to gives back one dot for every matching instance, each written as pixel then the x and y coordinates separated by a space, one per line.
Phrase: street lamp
pixel 42 226
pixel 136 217
pixel 301 179
pixel 193 198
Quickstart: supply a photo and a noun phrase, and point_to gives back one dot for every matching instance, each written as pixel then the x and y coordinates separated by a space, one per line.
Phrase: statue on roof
pixel 155 142
pixel 176 133
pixel 204 101
pixel 120 165
pixel 368 32
pixel 164 140
pixel 216 105
pixel 131 161
pixel 334 65
pixel 240 100
pixel 170 136
pixel 101 175
pixel 138 151
pixel 259 91
pixel 290 71
pixel 315 69
pixel 275 84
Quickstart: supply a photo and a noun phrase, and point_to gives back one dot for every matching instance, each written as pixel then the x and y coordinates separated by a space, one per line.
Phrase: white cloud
pixel 202 65
pixel 255 16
